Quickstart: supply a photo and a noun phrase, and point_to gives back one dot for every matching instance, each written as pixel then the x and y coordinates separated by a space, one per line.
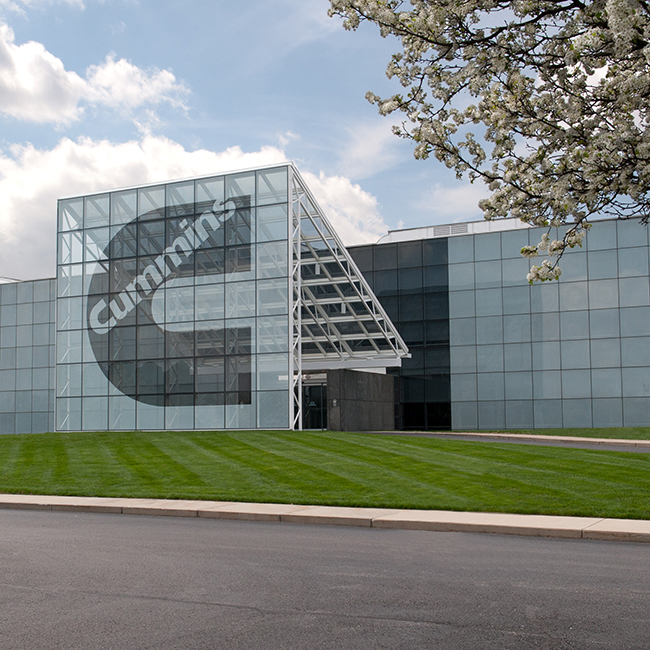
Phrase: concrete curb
pixel 622 530
pixel 618 442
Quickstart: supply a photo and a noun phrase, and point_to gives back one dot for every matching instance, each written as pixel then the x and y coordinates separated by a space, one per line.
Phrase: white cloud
pixel 369 149
pixel 31 181
pixel 352 211
pixel 34 84
pixel 19 6
pixel 448 204
pixel 121 84
pixel 285 138
pixel 36 87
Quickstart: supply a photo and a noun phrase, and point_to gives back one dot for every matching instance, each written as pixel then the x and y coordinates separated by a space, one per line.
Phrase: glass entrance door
pixel 314 407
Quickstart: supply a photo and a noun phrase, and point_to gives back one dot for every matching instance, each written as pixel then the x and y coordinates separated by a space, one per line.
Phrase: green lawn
pixel 330 468
pixel 624 433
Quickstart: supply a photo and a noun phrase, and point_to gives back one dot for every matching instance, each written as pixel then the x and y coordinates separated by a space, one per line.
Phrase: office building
pixel 229 302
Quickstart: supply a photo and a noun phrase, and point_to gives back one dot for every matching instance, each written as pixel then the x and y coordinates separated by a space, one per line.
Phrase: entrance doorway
pixel 314 407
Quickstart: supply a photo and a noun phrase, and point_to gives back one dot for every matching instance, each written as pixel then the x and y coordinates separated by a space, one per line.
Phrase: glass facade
pixel 201 304
pixel 27 335
pixel 173 306
pixel 572 353
pixel 502 354
pixel 411 280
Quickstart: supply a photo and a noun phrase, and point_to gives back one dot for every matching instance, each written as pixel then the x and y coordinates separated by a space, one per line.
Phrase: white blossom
pixel 559 91
pixel 529 251
pixel 545 272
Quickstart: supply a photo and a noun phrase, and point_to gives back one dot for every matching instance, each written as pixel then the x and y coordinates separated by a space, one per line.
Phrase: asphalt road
pixel 87 581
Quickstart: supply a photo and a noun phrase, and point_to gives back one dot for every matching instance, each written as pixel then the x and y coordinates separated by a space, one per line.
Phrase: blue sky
pixel 108 93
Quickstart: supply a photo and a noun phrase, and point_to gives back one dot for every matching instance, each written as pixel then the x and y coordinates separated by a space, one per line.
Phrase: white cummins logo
pixel 156 273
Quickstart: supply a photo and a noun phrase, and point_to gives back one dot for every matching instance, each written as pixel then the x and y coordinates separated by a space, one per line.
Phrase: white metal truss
pixel 295 306
pixel 338 320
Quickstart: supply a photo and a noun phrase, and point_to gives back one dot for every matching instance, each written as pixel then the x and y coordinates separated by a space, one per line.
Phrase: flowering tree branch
pixel 559 90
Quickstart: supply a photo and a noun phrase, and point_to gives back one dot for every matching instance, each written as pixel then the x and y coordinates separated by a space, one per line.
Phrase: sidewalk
pixel 624 530
pixel 523 437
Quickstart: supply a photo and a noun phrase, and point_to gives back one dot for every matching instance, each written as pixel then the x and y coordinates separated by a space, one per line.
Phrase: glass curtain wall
pixel 27 356
pixel 573 353
pixel 173 306
pixel 410 280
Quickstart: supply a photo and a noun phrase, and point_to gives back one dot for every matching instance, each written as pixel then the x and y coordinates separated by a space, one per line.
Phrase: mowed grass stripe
pixel 331 469
pixel 347 464
pixel 460 470
pixel 599 473
pixel 438 467
pixel 288 474
pixel 390 465
pixel 145 458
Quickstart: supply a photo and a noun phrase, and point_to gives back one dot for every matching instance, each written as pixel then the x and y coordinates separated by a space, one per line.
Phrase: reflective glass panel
pixel 516 300
pixel 487 274
pixel 488 302
pixel 272 371
pixel 240 298
pixel 180 198
pixel 574 325
pixel 602 236
pixel 70 214
pixel 575 354
pixel 461 276
pixel 634 351
pixel 606 382
pixel 606 353
pixel 514 272
pixel 490 330
pixel 631 232
pixel 96 211
pixel 273 409
pixel 463 359
pixel 209 194
pixel 489 358
pixel 633 262
pixel 241 186
pixel 573 296
pixel 272 260
pixel 151 202
pixel 574 266
pixel 602 264
pixel 546 356
pixel 487 246
pixel 461 249
pixel 123 207
pixel 490 386
pixel 519 385
pixel 272 298
pixel 272 186
pixel 97 241
pixel 635 321
pixel 512 242
pixel 634 291
pixel 209 301
pixel 462 304
pixel 576 413
pixel 576 383
pixel 272 223
pixel 272 334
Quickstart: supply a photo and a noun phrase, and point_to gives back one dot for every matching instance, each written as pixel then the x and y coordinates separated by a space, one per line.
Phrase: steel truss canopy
pixel 337 320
